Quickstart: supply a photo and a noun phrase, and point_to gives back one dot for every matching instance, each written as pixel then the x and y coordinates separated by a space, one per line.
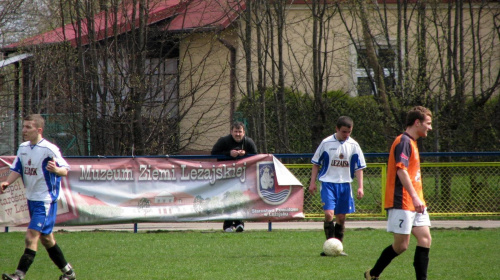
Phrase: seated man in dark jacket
pixel 234 145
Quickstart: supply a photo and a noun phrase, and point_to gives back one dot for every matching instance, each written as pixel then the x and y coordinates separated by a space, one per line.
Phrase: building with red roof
pixel 155 77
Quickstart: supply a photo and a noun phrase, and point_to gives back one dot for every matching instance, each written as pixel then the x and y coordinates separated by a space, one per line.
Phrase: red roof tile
pixel 184 15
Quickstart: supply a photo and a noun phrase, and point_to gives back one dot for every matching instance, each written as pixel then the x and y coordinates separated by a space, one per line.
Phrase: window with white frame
pixel 364 75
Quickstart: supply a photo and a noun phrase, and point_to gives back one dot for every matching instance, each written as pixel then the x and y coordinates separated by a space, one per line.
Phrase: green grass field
pixel 280 254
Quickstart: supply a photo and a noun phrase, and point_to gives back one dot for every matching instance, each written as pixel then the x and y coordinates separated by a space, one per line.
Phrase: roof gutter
pixel 14 59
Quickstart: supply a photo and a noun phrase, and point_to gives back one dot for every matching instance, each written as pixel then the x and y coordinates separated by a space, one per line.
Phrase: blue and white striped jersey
pixel 31 162
pixel 338 159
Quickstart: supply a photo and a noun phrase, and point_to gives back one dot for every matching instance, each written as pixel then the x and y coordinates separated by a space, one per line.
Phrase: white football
pixel 332 247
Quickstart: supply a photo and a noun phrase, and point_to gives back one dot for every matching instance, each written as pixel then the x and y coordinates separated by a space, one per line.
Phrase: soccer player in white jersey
pixel 41 166
pixel 340 158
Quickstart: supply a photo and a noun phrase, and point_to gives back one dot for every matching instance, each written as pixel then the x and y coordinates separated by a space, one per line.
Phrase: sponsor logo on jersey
pixel 340 163
pixel 30 171
pixel 418 176
pixel 403 156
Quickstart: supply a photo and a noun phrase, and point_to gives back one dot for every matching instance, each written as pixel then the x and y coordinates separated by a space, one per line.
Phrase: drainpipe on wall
pixel 17 93
pixel 232 77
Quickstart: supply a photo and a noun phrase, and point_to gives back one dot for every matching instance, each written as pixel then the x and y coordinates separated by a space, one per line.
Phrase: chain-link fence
pixel 7 132
pixel 450 189
pixel 462 188
pixel 60 129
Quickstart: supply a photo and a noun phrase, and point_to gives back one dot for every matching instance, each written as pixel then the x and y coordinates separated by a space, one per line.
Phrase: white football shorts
pixel 402 221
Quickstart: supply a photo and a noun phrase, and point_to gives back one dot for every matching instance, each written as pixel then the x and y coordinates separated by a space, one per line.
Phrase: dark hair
pixel 344 121
pixel 37 118
pixel 238 125
pixel 417 113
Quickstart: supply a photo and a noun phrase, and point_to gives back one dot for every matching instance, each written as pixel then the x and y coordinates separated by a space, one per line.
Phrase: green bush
pixel 368 128
pixel 473 129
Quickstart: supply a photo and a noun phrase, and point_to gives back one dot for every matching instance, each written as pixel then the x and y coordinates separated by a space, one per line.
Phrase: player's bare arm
pixel 359 177
pixel 406 181
pixel 314 174
pixel 52 167
pixel 13 176
pixel 3 186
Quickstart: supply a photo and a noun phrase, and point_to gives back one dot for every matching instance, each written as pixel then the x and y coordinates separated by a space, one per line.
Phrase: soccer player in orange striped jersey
pixel 404 198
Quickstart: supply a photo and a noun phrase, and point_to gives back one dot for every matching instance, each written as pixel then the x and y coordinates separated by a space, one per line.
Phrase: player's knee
pixel 47 241
pixel 340 218
pixel 400 248
pixel 425 241
pixel 28 242
pixel 329 216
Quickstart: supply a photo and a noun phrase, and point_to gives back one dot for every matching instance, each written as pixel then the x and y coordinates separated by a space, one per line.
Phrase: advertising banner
pixel 123 190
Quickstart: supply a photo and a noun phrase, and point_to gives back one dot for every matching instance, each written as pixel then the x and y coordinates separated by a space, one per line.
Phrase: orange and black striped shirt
pixel 403 155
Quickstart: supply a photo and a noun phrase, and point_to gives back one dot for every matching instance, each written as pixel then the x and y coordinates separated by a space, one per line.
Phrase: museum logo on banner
pixel 269 190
